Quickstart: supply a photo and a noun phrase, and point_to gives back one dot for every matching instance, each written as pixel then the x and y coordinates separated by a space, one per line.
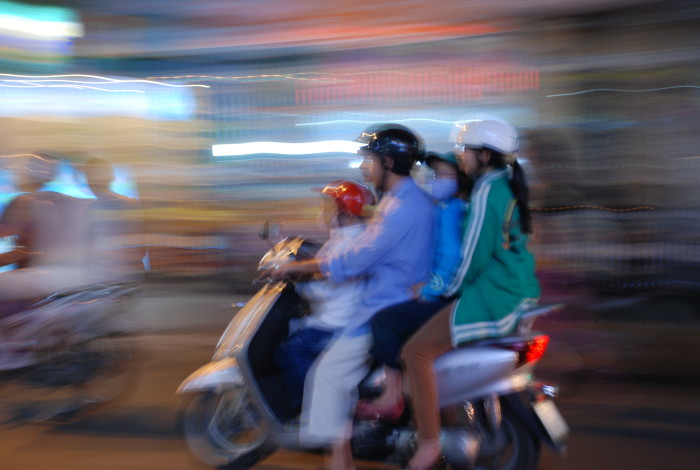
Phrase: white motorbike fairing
pixel 211 376
pixel 486 367
pixel 247 320
pixel 223 370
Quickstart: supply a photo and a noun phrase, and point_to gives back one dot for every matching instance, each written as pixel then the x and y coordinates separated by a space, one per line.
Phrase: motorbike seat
pixel 541 309
pixel 527 318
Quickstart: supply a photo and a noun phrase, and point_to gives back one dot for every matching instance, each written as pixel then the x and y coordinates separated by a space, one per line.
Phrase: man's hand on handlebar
pixel 293 270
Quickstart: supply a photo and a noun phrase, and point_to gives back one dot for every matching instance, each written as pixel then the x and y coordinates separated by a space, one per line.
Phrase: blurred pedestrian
pixel 116 227
pixel 49 230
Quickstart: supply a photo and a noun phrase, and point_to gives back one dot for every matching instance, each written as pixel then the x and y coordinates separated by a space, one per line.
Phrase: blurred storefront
pixel 605 95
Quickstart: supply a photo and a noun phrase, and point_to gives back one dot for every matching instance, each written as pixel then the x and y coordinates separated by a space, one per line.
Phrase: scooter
pixel 494 415
pixel 72 349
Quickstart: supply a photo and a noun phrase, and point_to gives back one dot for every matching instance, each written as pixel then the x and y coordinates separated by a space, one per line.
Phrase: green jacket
pixel 496 277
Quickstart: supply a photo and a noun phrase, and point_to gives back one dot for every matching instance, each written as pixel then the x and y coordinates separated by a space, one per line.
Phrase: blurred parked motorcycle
pixel 70 350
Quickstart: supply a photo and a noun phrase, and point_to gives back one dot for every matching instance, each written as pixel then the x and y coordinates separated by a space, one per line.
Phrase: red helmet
pixel 350 197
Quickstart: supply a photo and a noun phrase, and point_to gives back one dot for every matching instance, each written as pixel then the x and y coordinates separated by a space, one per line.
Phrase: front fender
pixel 224 372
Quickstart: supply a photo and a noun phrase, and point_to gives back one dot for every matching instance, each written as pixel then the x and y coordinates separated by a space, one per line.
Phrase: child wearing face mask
pixel 392 326
pixel 345 208
pixel 450 189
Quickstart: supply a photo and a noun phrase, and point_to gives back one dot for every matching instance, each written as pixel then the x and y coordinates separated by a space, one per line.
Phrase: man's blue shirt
pixel 394 252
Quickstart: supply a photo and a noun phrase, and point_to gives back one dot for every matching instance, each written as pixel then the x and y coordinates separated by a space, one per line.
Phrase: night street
pixel 617 422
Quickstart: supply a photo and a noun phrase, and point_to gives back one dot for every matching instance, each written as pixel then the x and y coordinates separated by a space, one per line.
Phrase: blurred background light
pixel 36 37
pixel 285 148
pixel 101 96
pixel 606 113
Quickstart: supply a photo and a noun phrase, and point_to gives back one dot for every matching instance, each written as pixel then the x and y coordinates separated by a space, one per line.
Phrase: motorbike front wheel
pixel 517 449
pixel 223 429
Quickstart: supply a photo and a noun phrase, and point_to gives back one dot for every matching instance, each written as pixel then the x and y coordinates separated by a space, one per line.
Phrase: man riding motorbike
pixel 50 233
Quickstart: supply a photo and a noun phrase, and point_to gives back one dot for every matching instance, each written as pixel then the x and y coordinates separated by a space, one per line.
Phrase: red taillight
pixel 536 348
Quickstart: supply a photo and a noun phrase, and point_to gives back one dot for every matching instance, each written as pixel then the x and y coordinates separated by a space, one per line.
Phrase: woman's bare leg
pixel 419 355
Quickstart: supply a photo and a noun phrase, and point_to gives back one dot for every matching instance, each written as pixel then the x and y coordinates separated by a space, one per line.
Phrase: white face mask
pixel 444 188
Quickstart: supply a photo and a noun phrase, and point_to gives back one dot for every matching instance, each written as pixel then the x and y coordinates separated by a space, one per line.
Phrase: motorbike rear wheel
pixel 223 429
pixel 519 449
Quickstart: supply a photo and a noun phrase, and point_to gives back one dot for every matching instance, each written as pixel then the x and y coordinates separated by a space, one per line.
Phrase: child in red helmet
pixel 345 206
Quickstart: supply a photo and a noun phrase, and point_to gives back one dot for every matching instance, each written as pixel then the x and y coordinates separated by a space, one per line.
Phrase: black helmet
pixel 395 141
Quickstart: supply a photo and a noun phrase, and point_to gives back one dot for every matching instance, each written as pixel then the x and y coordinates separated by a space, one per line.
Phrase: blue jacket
pixel 449 220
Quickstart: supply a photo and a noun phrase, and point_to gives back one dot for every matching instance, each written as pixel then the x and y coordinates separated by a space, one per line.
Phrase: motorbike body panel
pixel 245 323
pixel 211 376
pixel 473 372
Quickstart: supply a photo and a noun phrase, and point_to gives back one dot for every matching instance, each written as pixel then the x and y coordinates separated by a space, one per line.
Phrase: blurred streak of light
pixel 463 84
pixel 331 159
pixel 601 208
pixel 175 104
pixel 340 36
pixel 78 87
pixel 31 27
pixel 263 77
pixel 619 90
pixel 325 77
pixel 358 121
pixel 283 148
pixel 42 21
pixel 104 80
pixel 20 155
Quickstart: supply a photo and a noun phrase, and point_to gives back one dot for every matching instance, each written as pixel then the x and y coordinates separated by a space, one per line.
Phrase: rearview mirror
pixel 270 231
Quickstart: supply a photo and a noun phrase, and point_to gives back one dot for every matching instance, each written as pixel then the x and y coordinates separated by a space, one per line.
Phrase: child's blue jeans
pixel 296 354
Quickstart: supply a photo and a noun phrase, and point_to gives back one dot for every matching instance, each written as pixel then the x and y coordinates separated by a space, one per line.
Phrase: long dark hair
pixel 518 184
pixel 465 184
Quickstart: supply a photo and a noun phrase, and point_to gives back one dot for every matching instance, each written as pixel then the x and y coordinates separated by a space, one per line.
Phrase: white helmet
pixel 488 133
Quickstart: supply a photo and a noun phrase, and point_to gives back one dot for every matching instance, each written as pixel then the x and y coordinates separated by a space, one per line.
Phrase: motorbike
pixel 72 349
pixel 494 414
